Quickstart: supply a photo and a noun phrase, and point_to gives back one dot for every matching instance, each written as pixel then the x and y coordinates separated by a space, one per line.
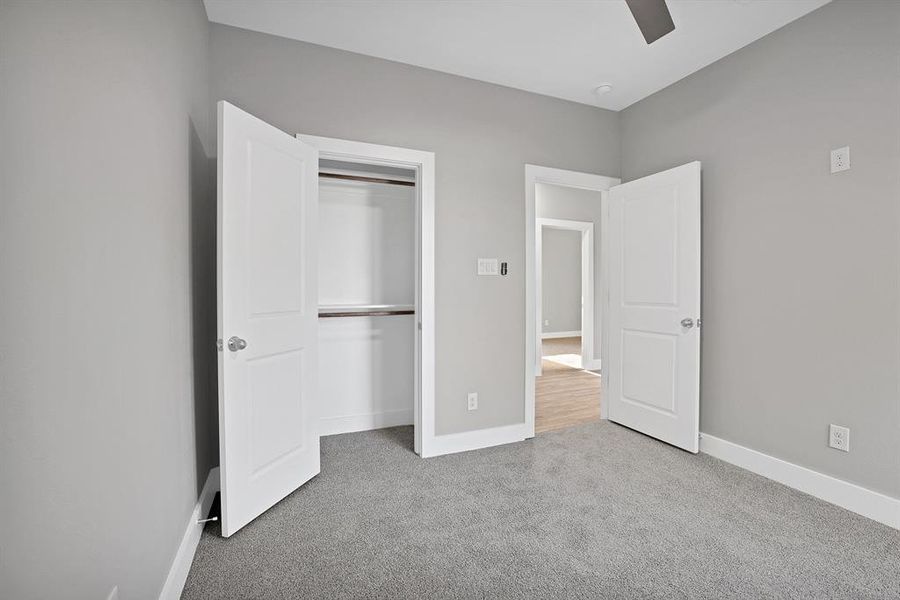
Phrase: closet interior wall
pixel 367 293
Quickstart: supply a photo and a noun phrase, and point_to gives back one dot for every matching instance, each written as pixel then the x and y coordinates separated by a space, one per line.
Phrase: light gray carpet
pixel 597 511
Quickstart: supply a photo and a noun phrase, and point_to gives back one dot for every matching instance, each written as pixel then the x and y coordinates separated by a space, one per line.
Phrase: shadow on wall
pixel 203 305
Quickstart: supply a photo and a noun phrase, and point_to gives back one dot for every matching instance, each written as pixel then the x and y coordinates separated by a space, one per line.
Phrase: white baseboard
pixel 181 566
pixel 592 364
pixel 550 335
pixel 474 440
pixel 860 500
pixel 365 422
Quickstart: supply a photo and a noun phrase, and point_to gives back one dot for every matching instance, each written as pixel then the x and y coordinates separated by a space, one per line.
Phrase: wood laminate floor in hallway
pixel 566 394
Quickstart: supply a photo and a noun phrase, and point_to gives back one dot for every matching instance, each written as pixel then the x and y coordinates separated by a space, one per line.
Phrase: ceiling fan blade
pixel 652 17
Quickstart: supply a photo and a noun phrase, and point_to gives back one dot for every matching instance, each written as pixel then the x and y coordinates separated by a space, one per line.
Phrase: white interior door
pixel 267 315
pixel 654 305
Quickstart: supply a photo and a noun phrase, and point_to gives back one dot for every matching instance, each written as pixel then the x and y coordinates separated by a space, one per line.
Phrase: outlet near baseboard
pixel 839 437
pixel 473 400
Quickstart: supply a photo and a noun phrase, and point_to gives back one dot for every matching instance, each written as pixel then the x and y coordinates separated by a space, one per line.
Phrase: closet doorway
pixel 375 287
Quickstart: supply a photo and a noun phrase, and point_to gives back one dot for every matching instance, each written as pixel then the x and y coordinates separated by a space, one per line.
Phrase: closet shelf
pixel 367 179
pixel 367 310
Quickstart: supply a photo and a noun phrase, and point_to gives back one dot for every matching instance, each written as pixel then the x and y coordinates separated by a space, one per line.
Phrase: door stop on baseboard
pixel 207 520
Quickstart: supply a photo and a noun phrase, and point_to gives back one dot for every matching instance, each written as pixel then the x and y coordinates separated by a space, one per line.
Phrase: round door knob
pixel 235 343
pixel 687 323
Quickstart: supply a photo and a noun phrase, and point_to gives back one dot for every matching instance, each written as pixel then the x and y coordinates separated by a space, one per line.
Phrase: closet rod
pixel 367 179
pixel 368 313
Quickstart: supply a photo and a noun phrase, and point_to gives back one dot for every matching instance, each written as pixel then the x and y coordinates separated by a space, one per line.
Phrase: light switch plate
pixel 488 266
pixel 840 159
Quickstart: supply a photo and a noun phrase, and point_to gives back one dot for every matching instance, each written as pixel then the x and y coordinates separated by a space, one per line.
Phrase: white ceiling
pixel 560 48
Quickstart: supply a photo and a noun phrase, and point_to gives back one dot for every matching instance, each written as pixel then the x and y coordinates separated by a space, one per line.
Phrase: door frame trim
pixel 423 164
pixel 535 174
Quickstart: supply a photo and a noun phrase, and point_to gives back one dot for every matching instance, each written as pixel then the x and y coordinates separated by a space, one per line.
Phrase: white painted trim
pixel 537 237
pixel 566 224
pixel 535 174
pixel 474 440
pixel 423 164
pixel 555 335
pixel 365 422
pixel 860 500
pixel 604 302
pixel 592 365
pixel 184 557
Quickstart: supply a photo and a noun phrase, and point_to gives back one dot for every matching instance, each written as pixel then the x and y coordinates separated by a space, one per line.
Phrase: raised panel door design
pixel 274 230
pixel 648 369
pixel 268 416
pixel 276 408
pixel 650 247
pixel 653 263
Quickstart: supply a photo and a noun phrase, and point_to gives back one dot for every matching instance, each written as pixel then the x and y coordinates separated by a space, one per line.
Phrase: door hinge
pixel 219 345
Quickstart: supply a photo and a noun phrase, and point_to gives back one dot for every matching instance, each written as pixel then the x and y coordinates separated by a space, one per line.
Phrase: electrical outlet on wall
pixel 839 437
pixel 547 322
pixel 473 400
pixel 840 159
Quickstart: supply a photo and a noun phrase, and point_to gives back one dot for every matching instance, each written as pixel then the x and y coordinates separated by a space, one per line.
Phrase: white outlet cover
pixel 488 266
pixel 473 401
pixel 839 437
pixel 840 159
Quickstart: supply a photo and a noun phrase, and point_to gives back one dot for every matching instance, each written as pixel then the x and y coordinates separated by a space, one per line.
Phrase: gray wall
pixel 560 280
pixel 800 276
pixel 573 204
pixel 107 210
pixel 482 136
pixel 107 387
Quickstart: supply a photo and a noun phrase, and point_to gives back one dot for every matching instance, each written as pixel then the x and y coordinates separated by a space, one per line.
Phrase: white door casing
pixel 427 443
pixel 267 297
pixel 653 262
